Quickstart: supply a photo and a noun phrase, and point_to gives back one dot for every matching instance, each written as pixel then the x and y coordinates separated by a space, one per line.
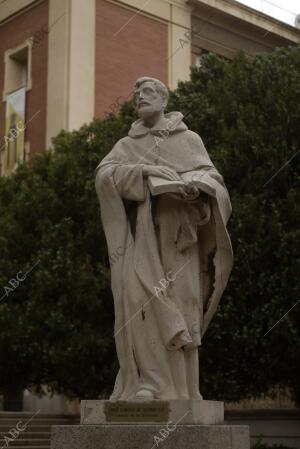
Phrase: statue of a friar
pixel 164 210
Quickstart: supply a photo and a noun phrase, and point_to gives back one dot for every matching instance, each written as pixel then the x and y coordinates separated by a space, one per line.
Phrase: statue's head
pixel 150 96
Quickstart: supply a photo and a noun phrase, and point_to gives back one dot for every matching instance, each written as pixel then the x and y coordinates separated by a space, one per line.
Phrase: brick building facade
pixel 77 58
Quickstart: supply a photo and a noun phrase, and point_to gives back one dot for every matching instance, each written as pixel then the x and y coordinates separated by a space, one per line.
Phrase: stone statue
pixel 164 210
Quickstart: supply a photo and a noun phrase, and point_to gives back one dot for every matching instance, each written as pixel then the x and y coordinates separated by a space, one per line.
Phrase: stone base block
pixel 150 437
pixel 152 412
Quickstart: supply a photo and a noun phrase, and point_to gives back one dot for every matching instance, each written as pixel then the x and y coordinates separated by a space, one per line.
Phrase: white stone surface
pixel 174 252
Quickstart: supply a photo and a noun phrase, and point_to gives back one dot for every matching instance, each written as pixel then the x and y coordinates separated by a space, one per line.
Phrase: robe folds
pixel 174 258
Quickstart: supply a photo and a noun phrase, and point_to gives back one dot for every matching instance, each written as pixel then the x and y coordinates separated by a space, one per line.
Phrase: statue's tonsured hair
pixel 159 86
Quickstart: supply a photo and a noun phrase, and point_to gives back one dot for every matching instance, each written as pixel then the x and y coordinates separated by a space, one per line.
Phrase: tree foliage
pixel 248 115
pixel 57 325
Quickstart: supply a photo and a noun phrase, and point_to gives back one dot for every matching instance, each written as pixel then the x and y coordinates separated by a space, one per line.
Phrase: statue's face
pixel 147 100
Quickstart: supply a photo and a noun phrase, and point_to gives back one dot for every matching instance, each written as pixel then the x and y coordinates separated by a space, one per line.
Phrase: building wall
pixel 96 49
pixel 124 54
pixel 71 65
pixel 225 27
pixel 13 33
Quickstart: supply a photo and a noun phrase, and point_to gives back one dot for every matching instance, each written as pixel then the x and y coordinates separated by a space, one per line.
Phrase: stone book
pixel 158 185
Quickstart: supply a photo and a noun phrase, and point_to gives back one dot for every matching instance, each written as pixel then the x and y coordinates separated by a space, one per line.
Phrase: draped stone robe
pixel 174 261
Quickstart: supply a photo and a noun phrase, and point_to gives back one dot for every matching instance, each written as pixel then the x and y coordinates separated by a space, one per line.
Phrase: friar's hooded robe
pixel 170 258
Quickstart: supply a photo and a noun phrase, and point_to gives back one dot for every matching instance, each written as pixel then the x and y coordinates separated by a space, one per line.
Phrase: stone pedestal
pixel 143 436
pixel 177 424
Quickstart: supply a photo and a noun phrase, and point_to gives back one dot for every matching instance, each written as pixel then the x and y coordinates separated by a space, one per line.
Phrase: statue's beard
pixel 148 112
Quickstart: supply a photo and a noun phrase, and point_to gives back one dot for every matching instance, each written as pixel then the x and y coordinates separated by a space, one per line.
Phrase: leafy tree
pixel 57 325
pixel 248 113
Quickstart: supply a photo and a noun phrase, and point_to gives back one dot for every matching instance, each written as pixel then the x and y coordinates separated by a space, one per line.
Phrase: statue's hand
pixel 189 192
pixel 160 171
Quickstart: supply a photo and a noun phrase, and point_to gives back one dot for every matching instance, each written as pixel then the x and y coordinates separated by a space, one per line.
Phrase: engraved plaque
pixel 156 411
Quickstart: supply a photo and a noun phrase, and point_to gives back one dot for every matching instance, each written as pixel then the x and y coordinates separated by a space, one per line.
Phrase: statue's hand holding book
pixel 189 185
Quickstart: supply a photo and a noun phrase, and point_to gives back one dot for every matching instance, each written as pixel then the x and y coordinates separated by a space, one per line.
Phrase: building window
pixel 17 68
pixel 17 81
pixel 197 57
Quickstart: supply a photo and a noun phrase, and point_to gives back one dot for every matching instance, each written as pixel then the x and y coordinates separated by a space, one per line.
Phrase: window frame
pixel 9 54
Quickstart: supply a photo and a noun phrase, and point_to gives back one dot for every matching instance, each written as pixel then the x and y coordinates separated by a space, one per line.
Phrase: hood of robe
pixel 169 143
pixel 171 122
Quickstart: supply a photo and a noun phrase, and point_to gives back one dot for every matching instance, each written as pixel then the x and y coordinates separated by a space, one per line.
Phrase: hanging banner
pixel 13 149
